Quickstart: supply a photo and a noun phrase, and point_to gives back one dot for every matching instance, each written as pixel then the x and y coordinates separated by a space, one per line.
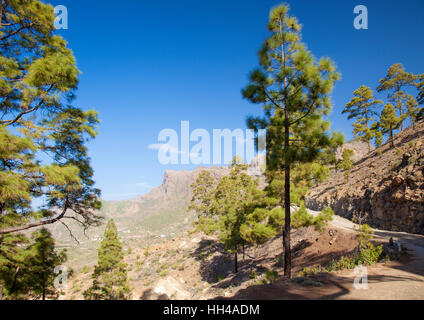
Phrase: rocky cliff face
pixel 361 149
pixel 179 182
pixel 387 186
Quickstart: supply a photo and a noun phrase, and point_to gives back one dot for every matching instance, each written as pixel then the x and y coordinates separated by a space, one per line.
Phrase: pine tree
pixel 413 110
pixel 230 207
pixel 41 263
pixel 378 135
pixel 110 274
pixel 13 257
pixel 27 267
pixel 347 164
pixel 389 121
pixel 38 81
pixel 396 82
pixel 294 91
pixel 362 108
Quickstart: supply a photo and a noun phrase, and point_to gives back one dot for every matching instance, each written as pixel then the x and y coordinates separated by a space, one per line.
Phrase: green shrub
pixel 342 263
pixel 370 255
pixel 220 277
pixel 146 252
pixel 301 218
pixel 139 264
pixel 307 272
pixel 271 276
pixel 323 218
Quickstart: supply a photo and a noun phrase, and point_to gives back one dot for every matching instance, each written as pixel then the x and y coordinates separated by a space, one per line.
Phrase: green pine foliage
pixel 362 109
pixel 294 91
pixel 27 266
pixel 396 82
pixel 38 81
pixel 42 261
pixel 389 121
pixel 346 164
pixel 13 257
pixel 110 274
pixel 402 105
pixel 232 207
pixel 323 218
pixel 368 252
pixel 420 88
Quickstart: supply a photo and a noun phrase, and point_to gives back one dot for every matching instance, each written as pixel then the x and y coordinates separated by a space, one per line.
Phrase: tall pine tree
pixel 228 207
pixel 389 121
pixel 27 267
pixel 294 90
pixel 396 82
pixel 110 274
pixel 41 263
pixel 13 258
pixel 38 81
pixel 362 108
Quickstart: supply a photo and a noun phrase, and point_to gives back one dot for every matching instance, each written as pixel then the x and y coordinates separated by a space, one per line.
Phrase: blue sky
pixel 148 65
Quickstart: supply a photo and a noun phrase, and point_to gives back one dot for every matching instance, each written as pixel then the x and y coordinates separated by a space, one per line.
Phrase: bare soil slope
pixel 387 185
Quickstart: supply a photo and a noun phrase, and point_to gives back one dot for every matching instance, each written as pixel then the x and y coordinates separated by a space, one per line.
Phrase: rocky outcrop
pixel 360 148
pixel 179 182
pixel 386 186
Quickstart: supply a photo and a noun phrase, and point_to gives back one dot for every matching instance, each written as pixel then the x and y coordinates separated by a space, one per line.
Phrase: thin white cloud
pixel 143 184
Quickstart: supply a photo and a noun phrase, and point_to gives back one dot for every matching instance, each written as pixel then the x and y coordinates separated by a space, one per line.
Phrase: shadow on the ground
pixel 333 287
pixel 217 266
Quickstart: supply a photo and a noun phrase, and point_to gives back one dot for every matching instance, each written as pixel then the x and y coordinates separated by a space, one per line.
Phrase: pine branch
pixel 38 223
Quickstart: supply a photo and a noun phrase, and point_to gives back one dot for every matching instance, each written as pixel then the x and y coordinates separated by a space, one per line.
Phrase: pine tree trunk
pixel 391 138
pixel 235 262
pixel 287 220
pixel 400 111
pixel 366 124
pixel 15 279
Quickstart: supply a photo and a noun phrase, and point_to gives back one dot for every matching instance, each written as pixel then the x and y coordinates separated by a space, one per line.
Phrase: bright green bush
pixel 323 218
